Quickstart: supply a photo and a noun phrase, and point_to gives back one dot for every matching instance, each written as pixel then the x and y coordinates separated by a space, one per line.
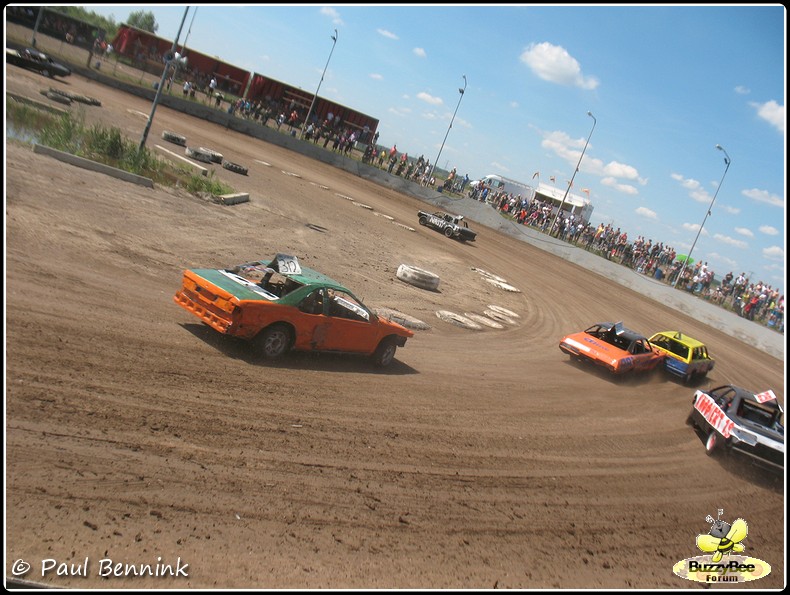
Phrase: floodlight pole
pixel 461 91
pixel 315 97
pixel 708 212
pixel 162 83
pixel 184 50
pixel 36 26
pixel 568 189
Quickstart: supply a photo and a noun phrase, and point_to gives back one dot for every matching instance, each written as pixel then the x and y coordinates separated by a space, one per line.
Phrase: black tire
pixel 235 167
pixel 385 352
pixel 58 98
pixel 448 231
pixel 274 341
pixel 174 138
pixel 713 443
pixel 214 156
pixel 198 154
pixel 423 220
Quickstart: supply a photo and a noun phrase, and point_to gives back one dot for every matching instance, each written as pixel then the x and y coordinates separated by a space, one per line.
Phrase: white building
pixel 579 206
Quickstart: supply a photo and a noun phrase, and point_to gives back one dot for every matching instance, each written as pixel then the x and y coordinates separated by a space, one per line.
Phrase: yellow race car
pixel 686 357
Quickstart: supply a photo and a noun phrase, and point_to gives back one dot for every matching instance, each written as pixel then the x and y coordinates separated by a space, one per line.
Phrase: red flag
pixel 587 190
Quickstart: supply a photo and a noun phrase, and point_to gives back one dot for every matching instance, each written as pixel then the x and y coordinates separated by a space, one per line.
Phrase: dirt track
pixel 480 459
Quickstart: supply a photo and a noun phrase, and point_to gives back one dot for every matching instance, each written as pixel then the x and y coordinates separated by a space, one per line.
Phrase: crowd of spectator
pixel 755 301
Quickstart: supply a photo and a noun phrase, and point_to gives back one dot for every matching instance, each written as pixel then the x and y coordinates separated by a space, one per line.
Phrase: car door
pixel 350 326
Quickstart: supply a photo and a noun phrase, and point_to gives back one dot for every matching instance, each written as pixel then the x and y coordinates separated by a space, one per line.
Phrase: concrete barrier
pixel 93 165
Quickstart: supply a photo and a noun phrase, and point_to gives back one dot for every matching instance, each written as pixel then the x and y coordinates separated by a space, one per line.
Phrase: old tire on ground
pixel 418 277
pixel 488 275
pixel 385 352
pixel 58 97
pixel 174 138
pixel 494 315
pixel 505 286
pixel 402 319
pixel 458 320
pixel 234 167
pixel 503 311
pixel 198 154
pixel 274 341
pixel 213 155
pixel 484 320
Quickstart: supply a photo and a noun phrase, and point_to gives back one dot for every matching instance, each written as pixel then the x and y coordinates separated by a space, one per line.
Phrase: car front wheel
pixel 713 443
pixel 385 352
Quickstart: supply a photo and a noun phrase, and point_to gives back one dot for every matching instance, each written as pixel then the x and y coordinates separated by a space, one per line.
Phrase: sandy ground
pixel 480 459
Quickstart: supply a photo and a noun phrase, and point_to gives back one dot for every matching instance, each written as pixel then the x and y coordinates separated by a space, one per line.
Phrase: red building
pixel 147 50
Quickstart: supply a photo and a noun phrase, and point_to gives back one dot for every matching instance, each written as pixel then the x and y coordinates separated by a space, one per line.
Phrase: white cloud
pixel 376 76
pixel 514 104
pixel 744 232
pixel 764 196
pixel 419 52
pixel 554 64
pixel 731 241
pixel 422 95
pixel 614 184
pixel 741 90
pixel 332 14
pixel 645 212
pixel 771 112
pixel 768 230
pixel 730 210
pixel 499 167
pixel 774 253
pixel 387 34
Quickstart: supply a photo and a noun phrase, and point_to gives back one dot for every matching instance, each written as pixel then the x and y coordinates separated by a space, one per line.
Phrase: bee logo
pixel 723 537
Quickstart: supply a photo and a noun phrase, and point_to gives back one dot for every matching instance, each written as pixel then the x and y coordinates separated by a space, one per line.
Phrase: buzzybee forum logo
pixel 720 565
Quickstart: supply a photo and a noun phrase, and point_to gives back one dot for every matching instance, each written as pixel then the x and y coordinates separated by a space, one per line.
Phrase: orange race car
pixel 614 347
pixel 280 305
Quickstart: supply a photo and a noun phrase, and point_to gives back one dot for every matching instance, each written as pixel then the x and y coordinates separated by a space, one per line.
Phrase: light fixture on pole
pixel 172 55
pixel 461 91
pixel 562 204
pixel 708 212
pixel 315 97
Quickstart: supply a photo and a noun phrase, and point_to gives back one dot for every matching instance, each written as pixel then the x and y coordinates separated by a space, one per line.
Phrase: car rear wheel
pixel 274 342
pixel 448 231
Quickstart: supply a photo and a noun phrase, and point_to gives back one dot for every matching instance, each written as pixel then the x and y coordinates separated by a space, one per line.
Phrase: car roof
pixel 685 339
pixel 620 330
pixel 748 395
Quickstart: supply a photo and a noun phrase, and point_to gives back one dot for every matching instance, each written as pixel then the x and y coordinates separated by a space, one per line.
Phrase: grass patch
pixel 99 143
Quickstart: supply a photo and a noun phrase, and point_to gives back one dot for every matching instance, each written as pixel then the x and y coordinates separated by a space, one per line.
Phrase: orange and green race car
pixel 686 357
pixel 280 305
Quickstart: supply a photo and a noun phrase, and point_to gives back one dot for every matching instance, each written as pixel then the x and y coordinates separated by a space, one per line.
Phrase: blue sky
pixel 666 84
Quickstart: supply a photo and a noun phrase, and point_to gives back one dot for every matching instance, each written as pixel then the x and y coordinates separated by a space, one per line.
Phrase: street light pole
pixel 461 91
pixel 708 212
pixel 183 49
pixel 162 83
pixel 315 97
pixel 562 204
